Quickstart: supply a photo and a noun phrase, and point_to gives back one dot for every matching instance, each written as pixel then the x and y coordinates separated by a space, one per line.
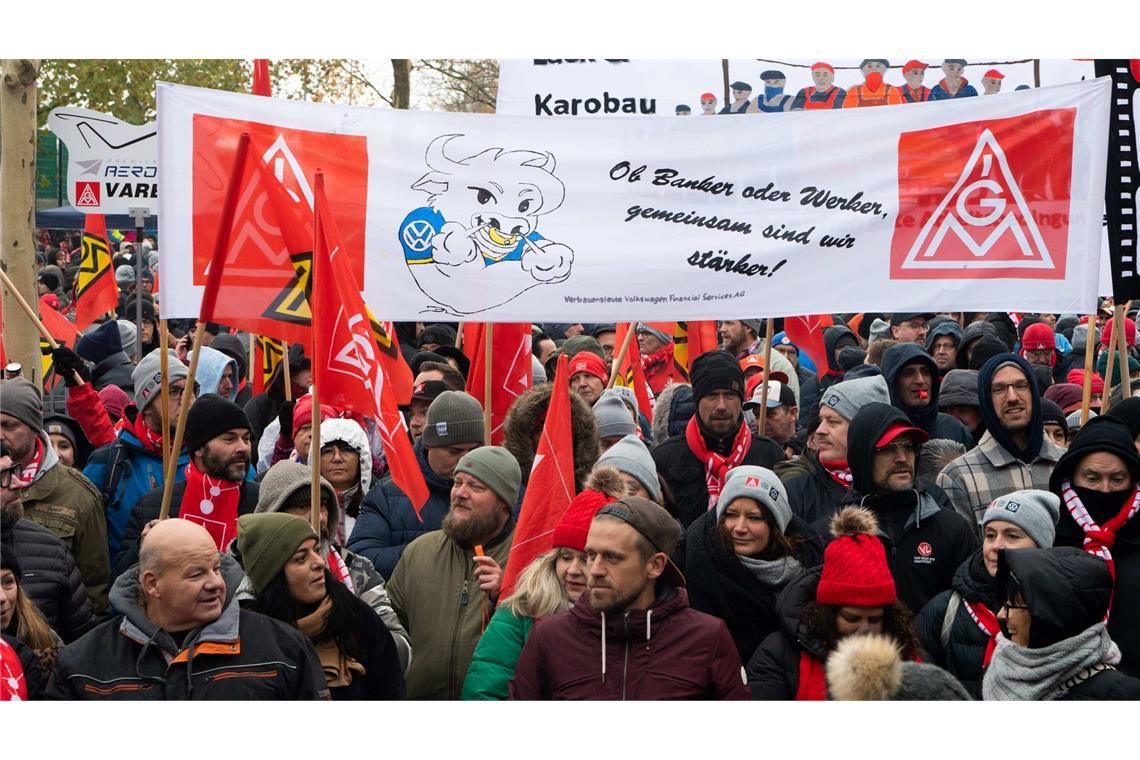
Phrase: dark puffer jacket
pixel 387 521
pixel 116 369
pixel 669 651
pixel 685 474
pixel 935 423
pixel 813 494
pixel 773 672
pixel 51 579
pixel 718 582
pixel 965 648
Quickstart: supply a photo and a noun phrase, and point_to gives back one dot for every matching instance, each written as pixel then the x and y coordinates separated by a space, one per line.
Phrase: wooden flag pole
pixel 180 429
pixel 459 336
pixel 769 333
pixel 27 309
pixel 1122 342
pixel 288 377
pixel 1106 393
pixel 620 357
pixel 252 357
pixel 164 400
pixel 488 352
pixel 1086 394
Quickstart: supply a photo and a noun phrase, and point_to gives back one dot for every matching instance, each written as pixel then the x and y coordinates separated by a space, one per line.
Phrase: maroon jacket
pixel 667 652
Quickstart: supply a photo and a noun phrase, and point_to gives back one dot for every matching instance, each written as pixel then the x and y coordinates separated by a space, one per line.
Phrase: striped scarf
pixel 1099 540
pixel 717 465
pixel 839 471
pixel 985 619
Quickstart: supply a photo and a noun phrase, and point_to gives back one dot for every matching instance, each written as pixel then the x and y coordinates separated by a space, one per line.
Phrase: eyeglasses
pixel 1000 389
pixel 176 393
pixel 898 447
pixel 1012 606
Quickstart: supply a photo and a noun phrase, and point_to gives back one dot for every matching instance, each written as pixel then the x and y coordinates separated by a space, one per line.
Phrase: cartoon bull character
pixel 476 244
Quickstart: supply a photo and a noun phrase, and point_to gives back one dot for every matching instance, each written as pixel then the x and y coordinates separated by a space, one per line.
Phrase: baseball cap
pixel 654 523
pixel 429 389
pixel 899 428
pixel 914 64
pixel 779 394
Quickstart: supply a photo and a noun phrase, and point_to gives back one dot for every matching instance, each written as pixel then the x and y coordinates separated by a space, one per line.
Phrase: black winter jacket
pixel 935 423
pixel 116 369
pixel 809 396
pixel 51 579
pixel 719 584
pixel 814 495
pixel 387 521
pixel 148 508
pixel 34 678
pixel 773 672
pixel 685 474
pixel 965 648
pixel 383 677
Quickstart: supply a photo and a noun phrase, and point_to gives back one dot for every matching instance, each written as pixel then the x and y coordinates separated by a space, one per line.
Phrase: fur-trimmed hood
pixel 672 410
pixel 523 426
pixel 871 668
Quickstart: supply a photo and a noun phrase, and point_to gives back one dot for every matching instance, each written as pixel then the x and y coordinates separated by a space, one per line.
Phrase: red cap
pixel 572 529
pixel 752 360
pixel 1038 337
pixel 855 570
pixel 994 73
pixel 708 96
pixel 913 64
pixel 822 65
pixel 587 361
pixel 1077 377
pixel 900 428
pixel 1106 335
pixel 303 412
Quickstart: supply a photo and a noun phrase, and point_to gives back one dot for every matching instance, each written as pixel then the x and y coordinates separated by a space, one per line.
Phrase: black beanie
pixel 716 371
pixel 850 357
pixel 49 279
pixel 8 558
pixel 1052 414
pixel 1099 434
pixel 210 416
pixel 100 343
pixel 985 349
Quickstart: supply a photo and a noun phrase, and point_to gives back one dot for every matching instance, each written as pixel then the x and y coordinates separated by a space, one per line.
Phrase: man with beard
pixel 461 563
pixel 1014 453
pixel 658 646
pixel 717 438
pixel 741 337
pixel 926 543
pixel 914 383
pixel 219 482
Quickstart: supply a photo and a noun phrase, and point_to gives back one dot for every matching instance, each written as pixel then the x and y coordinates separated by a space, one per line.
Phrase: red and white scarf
pixel 717 465
pixel 150 440
pixel 839 471
pixel 1099 540
pixel 32 468
pixel 338 568
pixel 212 503
pixel 985 619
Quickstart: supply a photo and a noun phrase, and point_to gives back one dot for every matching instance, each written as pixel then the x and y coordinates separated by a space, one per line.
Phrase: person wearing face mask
pixel 959 628
pixel 1054 643
pixel 773 100
pixel 1097 480
pixel 739 558
pixel 874 91
pixel 851 593
pixel 553 582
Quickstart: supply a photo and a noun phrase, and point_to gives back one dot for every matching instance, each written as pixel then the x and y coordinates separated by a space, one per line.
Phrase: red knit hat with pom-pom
pixel 604 486
pixel 855 571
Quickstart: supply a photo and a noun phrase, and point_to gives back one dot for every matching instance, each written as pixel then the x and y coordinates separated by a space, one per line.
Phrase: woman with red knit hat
pixel 549 585
pixel 853 592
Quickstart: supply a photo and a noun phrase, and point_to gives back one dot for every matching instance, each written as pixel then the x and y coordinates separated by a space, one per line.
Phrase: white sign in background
pixel 112 165
pixel 599 257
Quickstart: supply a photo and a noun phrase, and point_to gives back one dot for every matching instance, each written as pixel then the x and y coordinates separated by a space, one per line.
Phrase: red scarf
pixel 717 465
pixel 212 503
pixel 150 440
pixel 985 619
pixel 813 681
pixel 1098 540
pixel 338 568
pixel 839 471
pixel 32 468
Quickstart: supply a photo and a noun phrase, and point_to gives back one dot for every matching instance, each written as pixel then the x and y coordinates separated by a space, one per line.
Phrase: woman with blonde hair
pixel 549 585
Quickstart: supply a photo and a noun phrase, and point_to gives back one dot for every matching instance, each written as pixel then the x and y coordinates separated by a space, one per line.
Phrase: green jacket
pixel 434 592
pixel 493 665
pixel 67 504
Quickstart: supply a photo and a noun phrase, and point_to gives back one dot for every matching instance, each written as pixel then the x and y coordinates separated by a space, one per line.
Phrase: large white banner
pixel 987 203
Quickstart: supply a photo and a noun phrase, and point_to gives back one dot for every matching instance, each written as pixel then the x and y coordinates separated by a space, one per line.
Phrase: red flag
pixel 472 336
pixel 510 374
pixel 690 340
pixel 347 371
pixel 95 290
pixel 807 333
pixel 64 331
pixel 265 295
pixel 396 368
pixel 550 487
pixel 261 85
pixel 631 373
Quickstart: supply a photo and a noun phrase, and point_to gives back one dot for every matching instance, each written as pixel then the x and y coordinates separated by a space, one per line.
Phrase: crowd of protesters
pixel 921 512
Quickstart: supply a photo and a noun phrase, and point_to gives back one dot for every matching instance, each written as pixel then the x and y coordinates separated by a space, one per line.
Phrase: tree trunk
pixel 402 82
pixel 17 207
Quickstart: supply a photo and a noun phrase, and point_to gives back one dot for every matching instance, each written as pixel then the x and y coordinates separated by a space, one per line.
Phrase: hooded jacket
pixel 523 425
pixel 50 578
pixel 211 366
pixel 231 346
pixel 834 373
pixel 989 413
pixel 239 656
pixel 935 423
pixel 773 671
pixel 387 521
pixel 973 332
pixel 668 651
pixel 948 328
pixel 813 494
pixel 925 543
pixel 719 584
pixel 116 369
pixel 672 411
pixel 349 500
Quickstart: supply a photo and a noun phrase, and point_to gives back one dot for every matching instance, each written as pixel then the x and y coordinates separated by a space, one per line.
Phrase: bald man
pixel 180 628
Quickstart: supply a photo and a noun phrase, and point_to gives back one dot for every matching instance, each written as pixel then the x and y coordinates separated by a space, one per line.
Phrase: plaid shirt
pixel 988 472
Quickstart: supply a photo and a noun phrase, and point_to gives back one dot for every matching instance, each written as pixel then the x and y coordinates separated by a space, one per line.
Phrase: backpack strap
pixel 112 475
pixel 948 619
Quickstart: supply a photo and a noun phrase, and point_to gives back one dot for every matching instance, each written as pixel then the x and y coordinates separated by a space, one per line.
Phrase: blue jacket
pixel 387 522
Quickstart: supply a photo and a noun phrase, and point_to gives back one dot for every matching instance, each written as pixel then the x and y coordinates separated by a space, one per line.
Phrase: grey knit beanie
pixel 128 336
pixel 761 485
pixel 613 417
pixel 147 376
pixel 629 455
pixel 959 387
pixel 454 417
pixel 496 468
pixel 1036 512
pixel 849 396
pixel 283 480
pixel 20 399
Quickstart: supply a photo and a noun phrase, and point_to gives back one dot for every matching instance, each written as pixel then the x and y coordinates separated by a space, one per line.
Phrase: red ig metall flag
pixel 347 370
pixel 550 488
pixel 510 369
pixel 631 372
